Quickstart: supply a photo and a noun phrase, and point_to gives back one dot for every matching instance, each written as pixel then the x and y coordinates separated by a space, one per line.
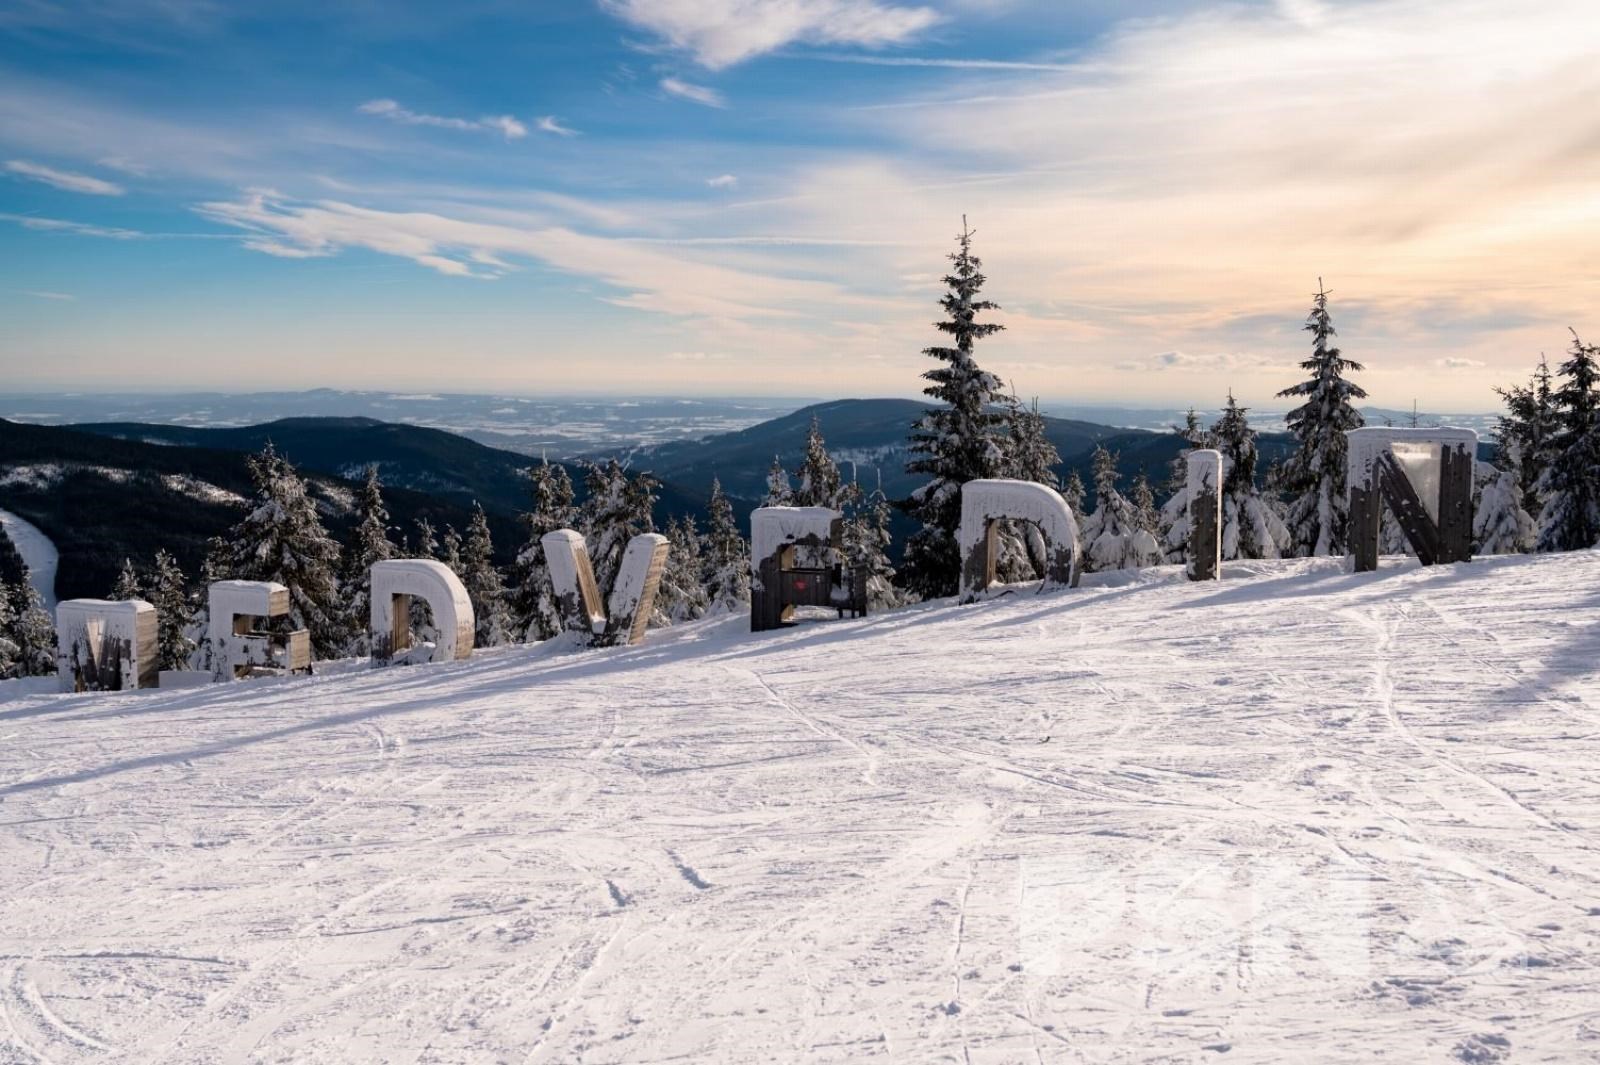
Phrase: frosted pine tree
pixel 1570 486
pixel 9 651
pixel 960 441
pixel 1527 432
pixel 1112 536
pixel 1030 456
pixel 1251 526
pixel 533 603
pixel 682 594
pixel 618 508
pixel 820 482
pixel 427 541
pixel 213 568
pixel 127 583
pixel 450 549
pixel 1500 525
pixel 866 543
pixel 1143 498
pixel 1173 524
pixel 169 594
pixel 780 490
pixel 492 617
pixel 1313 478
pixel 371 545
pixel 726 572
pixel 282 539
pixel 33 631
pixel 1072 491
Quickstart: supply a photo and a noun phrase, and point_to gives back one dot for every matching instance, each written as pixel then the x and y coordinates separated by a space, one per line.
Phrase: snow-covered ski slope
pixel 1298 816
pixel 37 552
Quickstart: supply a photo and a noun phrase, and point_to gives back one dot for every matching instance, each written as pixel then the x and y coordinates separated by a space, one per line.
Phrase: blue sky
pixel 753 196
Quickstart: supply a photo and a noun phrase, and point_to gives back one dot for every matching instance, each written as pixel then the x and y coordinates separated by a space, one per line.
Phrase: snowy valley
pixel 1297 815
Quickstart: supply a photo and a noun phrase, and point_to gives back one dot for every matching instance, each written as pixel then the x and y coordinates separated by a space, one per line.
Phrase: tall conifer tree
pixel 1314 477
pixel 961 440
pixel 533 604
pixel 1570 486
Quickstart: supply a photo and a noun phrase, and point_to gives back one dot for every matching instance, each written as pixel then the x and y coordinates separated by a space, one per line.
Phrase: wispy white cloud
pixel 60 297
pixel 1459 363
pixel 700 94
pixel 650 278
pixel 723 181
pixel 505 125
pixel 720 33
pixel 66 180
pixel 59 225
pixel 550 124
pixel 932 62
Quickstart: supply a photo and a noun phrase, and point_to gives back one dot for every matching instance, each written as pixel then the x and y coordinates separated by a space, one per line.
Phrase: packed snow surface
pixel 38 554
pixel 1296 816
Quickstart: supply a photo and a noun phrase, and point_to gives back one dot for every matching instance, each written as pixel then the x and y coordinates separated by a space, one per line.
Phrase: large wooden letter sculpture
pixel 1205 515
pixel 105 646
pixel 394 583
pixel 239 648
pixel 624 618
pixel 984 503
pixel 781 579
pixel 1424 476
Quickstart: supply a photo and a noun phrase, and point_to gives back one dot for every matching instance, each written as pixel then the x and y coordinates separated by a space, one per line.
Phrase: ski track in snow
pixel 1300 815
pixel 37 552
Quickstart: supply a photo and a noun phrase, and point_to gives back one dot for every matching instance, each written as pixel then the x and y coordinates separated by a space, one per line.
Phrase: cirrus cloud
pixel 505 125
pixel 720 33
pixel 66 180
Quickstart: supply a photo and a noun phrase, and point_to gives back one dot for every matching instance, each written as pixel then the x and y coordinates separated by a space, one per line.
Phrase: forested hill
pixel 427 460
pixel 872 434
pixel 100 500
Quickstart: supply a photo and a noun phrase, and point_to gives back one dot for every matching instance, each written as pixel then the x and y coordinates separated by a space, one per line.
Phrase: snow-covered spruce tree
pixel 426 544
pixel 726 563
pixel 780 490
pixel 533 600
pixel 126 585
pixel 1173 523
pixel 12 569
pixel 1112 536
pixel 282 539
pixel 371 544
pixel 1030 456
pixel 492 617
pixel 1313 478
pixel 1526 433
pixel 1072 491
pixel 1251 526
pixel 169 594
pixel 450 550
pixel 33 631
pixel 1570 486
pixel 9 652
pixel 820 483
pixel 213 568
pixel 962 440
pixel 866 544
pixel 1500 525
pixel 1143 498
pixel 682 594
pixel 618 508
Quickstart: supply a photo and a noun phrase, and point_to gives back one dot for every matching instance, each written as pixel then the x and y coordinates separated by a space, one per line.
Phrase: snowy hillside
pixel 1298 816
pixel 37 552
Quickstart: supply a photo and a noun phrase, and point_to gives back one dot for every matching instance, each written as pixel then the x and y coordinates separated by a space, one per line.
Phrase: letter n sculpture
pixel 1205 514
pixel 622 620
pixel 106 646
pixel 1424 477
pixel 987 502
